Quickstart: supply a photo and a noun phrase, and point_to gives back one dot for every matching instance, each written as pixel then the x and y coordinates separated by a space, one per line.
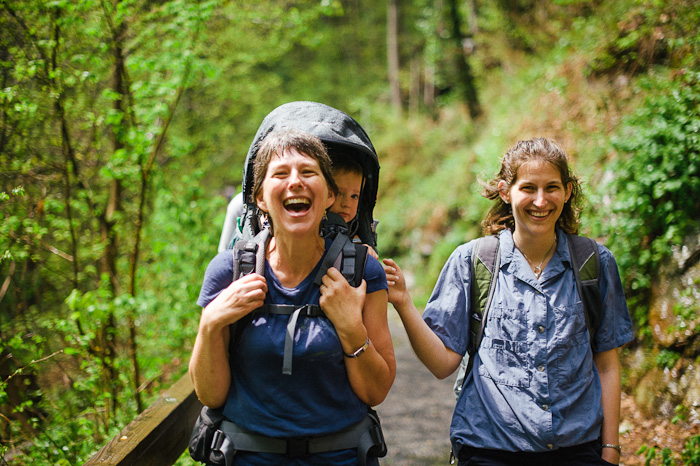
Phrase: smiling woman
pixel 293 181
pixel 343 358
pixel 540 387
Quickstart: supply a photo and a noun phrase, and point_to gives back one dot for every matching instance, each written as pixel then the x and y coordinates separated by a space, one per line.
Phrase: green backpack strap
pixel 585 262
pixel 486 260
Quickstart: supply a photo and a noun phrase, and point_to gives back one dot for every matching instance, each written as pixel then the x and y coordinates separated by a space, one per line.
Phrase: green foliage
pixel 651 452
pixel 666 359
pixel 691 452
pixel 657 180
pixel 648 33
pixel 690 456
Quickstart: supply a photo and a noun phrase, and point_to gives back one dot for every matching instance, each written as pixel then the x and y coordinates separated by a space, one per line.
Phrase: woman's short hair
pixel 501 214
pixel 278 143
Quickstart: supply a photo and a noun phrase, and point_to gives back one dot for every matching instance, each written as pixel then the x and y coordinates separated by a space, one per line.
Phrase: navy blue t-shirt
pixel 316 398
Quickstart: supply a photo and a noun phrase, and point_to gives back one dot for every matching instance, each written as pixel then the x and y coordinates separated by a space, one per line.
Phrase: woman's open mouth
pixel 297 204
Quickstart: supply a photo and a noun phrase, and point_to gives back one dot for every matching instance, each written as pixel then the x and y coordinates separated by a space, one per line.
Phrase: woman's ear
pixel 503 192
pixel 331 199
pixel 569 190
pixel 260 202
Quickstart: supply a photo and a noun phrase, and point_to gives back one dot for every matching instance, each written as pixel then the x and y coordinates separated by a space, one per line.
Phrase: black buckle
pixel 297 448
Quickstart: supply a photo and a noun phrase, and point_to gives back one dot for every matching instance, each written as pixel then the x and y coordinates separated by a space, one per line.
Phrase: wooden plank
pixel 159 435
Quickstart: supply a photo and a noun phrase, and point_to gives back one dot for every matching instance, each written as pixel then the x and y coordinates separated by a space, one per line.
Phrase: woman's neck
pixel 537 248
pixel 292 259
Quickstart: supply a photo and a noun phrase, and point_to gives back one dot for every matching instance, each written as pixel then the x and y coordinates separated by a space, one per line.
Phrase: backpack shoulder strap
pixel 249 255
pixel 486 260
pixel 585 262
pixel 348 257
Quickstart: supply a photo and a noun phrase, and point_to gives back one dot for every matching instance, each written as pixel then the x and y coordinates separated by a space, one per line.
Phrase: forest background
pixel 124 125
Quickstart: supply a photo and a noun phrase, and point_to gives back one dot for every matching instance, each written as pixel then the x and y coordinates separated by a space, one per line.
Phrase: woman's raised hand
pixel 237 300
pixel 341 302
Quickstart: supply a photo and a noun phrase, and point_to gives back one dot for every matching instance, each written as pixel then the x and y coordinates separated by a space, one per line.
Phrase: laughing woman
pixel 539 392
pixel 343 361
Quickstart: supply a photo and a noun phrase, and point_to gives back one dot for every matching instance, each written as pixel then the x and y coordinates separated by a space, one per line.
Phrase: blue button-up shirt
pixel 533 386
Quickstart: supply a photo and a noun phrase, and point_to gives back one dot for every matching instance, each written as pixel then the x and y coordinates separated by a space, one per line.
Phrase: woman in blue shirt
pixel 343 361
pixel 539 392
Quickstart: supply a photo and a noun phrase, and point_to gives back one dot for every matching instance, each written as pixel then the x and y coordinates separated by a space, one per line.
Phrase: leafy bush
pixel 653 193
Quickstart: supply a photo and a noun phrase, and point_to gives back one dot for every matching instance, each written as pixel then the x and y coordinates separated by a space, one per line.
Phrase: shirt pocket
pixel 508 323
pixel 505 362
pixel 573 358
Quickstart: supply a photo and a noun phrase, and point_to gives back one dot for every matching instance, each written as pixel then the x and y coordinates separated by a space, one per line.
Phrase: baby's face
pixel 349 186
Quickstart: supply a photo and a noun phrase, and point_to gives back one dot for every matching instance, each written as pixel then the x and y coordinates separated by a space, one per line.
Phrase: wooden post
pixel 159 435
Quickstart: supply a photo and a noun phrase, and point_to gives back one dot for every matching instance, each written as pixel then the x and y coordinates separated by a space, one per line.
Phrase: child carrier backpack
pixel 343 137
pixel 485 265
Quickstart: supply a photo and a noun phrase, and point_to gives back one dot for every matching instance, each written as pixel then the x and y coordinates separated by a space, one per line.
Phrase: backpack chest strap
pixel 308 310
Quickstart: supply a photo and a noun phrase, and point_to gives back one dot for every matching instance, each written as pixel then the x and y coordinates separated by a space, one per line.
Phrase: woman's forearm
pixel 608 365
pixel 209 366
pixel 432 352
pixel 372 373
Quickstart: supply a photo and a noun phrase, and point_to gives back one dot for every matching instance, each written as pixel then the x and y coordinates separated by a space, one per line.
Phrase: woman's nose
pixel 294 178
pixel 540 198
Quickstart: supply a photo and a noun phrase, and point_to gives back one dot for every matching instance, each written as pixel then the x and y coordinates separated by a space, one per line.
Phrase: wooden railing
pixel 159 435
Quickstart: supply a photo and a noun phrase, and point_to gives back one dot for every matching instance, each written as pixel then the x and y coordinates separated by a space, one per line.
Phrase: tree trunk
pixel 464 71
pixel 392 46
pixel 472 18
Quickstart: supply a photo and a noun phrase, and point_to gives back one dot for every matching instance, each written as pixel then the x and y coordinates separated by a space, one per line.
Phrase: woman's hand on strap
pixel 235 301
pixel 343 305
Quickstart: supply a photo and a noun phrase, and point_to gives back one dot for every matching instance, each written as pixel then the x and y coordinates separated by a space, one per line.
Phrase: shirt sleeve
pixel 218 276
pixel 447 311
pixel 374 275
pixel 616 325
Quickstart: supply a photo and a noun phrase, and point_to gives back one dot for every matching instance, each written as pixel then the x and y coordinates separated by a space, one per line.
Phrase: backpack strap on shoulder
pixel 349 258
pixel 486 260
pixel 249 255
pixel 585 262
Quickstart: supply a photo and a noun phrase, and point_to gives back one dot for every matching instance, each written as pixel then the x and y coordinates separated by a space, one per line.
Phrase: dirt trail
pixel 416 415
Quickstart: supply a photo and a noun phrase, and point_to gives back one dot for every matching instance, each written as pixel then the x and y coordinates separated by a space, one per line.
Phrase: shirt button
pixel 550 446
pixel 540 329
pixel 540 368
pixel 545 407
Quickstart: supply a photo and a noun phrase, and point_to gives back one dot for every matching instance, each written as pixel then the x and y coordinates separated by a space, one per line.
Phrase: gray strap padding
pixel 245 441
pixel 289 342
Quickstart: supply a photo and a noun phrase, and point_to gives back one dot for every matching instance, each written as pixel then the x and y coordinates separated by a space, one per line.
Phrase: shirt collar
pixel 560 260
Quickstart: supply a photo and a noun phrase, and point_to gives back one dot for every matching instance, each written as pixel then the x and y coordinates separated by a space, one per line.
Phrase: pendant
pixel 538 271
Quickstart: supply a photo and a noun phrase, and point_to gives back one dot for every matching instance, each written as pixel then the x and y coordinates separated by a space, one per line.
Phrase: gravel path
pixel 417 413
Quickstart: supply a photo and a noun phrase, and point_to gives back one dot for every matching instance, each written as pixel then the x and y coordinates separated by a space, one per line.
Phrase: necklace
pixel 537 270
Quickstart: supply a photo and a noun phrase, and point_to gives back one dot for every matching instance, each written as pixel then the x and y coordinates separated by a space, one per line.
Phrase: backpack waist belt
pixel 360 436
pixel 308 310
